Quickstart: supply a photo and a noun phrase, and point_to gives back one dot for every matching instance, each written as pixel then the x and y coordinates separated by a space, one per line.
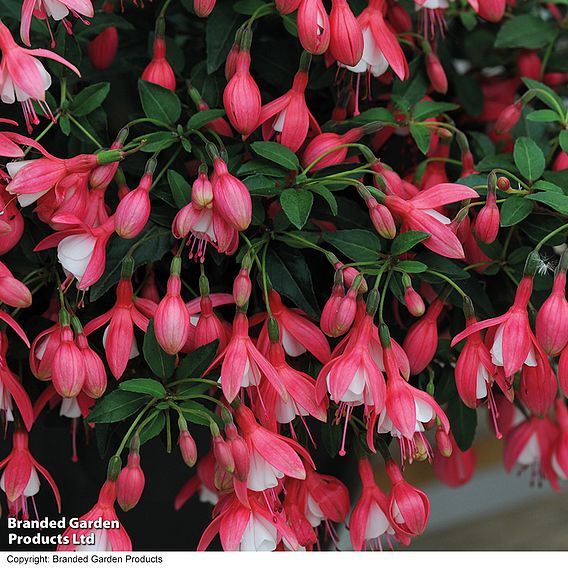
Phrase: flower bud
pixel 203 8
pixel 488 220
pixel 509 116
pixel 95 374
pixel 328 315
pixel 436 73
pixel 443 442
pixel 103 49
pixel 133 211
pixel 240 452
pixel 346 36
pixel 242 288
pixel 382 219
pixel 349 275
pixel 412 298
pixel 171 321
pixel 130 482
pixel 68 366
pixel 503 183
pixel 313 27
pixel 285 7
pixel 222 452
pixel 187 448
pixel 159 71
pixel 346 310
pixel 202 190
pixel 13 292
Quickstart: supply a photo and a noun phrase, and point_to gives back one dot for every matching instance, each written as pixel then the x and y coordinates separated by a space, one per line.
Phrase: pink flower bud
pixel 103 48
pixel 232 198
pixel 436 73
pixel 231 62
pixel 382 219
pixel 324 143
pixel 241 97
pixel 203 8
pixel 509 116
pixel 285 7
pixel 68 366
pixel 240 452
pixel 346 36
pixel 130 482
pixel 327 320
pixel 409 508
pixel 223 454
pixel 345 314
pixel 349 275
pixel 443 442
pixel 187 448
pixel 313 26
pixel 414 302
pixel 133 211
pixel 552 318
pixel 13 292
pixel 242 288
pixel 95 375
pixel 159 71
pixel 487 221
pixel 171 322
pixel 202 191
pixel 529 64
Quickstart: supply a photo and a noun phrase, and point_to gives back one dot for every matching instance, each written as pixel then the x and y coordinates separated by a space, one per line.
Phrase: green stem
pixel 84 131
pixel 384 295
pixel 550 235
pixel 133 426
pixel 165 168
pixel 449 281
pixel 265 281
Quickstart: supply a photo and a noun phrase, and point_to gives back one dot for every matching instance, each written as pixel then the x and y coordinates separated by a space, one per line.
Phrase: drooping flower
pixel 313 26
pixel 288 118
pixel 159 71
pixel 346 37
pixel 23 77
pixel 20 480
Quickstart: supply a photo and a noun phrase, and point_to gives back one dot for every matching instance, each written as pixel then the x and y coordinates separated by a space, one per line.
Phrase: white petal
pixel 377 523
pixel 74 253
pixel 261 474
pixel 259 535
pixel 292 347
pixel 70 408
pixel 497 349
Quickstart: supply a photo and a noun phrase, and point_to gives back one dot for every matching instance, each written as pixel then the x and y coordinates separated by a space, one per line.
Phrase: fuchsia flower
pixel 313 26
pixel 231 197
pixel 514 343
pixel 288 117
pixel 159 71
pixel 529 445
pixel 407 409
pixel 112 539
pixel 552 318
pixel 370 517
pixel 133 211
pixel 381 47
pixel 243 365
pixel 67 367
pixel 475 371
pixel 13 292
pixel 203 8
pixel 56 9
pixel 119 342
pixel 409 508
pixel 285 7
pixel 81 249
pixel 11 390
pixel 253 528
pixel 421 340
pixel 11 222
pixel 203 222
pixel 297 333
pixel 419 214
pixel 241 96
pixel 272 456
pixel 458 468
pixel 20 480
pixel 130 481
pixel 560 450
pixel 346 38
pixel 24 78
pixel 487 220
pixel 436 73
pixel 104 47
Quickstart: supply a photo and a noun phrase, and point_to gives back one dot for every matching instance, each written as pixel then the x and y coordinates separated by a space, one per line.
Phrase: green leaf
pixel 159 103
pixel 89 99
pixel 563 139
pixel 412 266
pixel 557 201
pixel 528 158
pixel 157 141
pixel 526 31
pixel 406 241
pixel 290 276
pixel 194 365
pixel 514 210
pixel 322 191
pixel 356 244
pixel 543 115
pixel 181 189
pixel 428 109
pixel 297 204
pixel 264 186
pixel 199 414
pixel 204 117
pixel 144 386
pixel 116 406
pixel 158 360
pixel 544 93
pixel 153 428
pixel 463 422
pixel 421 135
pixel 219 35
pixel 277 153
